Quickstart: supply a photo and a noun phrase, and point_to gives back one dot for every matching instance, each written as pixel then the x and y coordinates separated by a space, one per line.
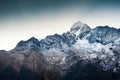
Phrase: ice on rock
pixel 54 56
pixel 79 28
pixel 92 50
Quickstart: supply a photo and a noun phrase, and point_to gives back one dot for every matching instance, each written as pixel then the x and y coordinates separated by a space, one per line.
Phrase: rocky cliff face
pixel 79 54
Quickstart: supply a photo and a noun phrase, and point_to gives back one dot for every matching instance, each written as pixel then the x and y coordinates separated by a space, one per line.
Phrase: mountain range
pixel 82 53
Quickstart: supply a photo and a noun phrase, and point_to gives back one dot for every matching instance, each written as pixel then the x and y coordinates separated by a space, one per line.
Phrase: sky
pixel 23 19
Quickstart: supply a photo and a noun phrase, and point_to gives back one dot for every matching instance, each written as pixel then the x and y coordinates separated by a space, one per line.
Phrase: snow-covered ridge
pixel 101 43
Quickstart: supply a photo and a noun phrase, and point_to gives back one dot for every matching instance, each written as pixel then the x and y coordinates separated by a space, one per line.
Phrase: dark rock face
pixel 83 70
pixel 103 35
pixel 79 54
pixel 31 43
pixel 32 67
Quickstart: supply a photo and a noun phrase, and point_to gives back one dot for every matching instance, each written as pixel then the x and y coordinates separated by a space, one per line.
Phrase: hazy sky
pixel 22 19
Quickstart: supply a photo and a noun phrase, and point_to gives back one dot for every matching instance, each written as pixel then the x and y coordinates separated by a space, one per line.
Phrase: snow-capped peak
pixel 79 28
pixel 81 42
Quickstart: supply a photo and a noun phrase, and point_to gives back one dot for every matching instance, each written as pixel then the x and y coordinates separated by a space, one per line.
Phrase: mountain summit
pixel 79 54
pixel 79 28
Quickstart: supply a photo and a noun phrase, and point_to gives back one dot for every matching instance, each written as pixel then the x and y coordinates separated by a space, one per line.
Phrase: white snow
pixel 55 56
pixel 93 55
pixel 75 26
pixel 92 50
pixel 79 31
